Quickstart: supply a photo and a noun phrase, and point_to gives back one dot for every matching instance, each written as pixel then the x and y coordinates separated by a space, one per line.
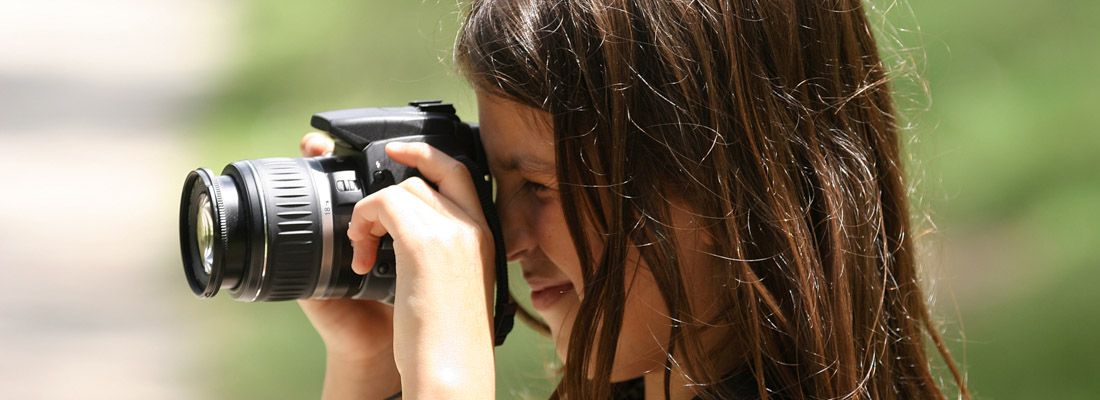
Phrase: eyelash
pixel 536 188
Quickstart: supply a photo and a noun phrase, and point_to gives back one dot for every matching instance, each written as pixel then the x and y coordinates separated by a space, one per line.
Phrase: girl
pixel 706 197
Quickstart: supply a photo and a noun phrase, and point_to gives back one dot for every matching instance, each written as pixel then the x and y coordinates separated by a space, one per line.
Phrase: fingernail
pixel 317 147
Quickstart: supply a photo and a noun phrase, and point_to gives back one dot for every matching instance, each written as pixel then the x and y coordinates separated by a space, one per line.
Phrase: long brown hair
pixel 774 121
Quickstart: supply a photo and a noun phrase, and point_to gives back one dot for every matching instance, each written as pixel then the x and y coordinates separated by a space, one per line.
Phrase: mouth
pixel 543 298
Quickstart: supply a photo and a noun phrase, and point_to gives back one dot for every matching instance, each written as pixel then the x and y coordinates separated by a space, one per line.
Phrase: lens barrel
pixel 265 229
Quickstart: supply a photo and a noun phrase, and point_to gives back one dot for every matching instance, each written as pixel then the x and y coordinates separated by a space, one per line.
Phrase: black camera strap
pixel 505 306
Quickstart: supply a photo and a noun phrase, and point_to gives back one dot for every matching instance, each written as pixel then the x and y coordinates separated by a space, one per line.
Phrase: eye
pixel 535 187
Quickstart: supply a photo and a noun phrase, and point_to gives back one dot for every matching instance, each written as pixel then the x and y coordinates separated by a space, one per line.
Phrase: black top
pixel 741 384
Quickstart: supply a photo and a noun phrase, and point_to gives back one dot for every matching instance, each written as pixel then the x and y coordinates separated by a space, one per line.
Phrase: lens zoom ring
pixel 293 228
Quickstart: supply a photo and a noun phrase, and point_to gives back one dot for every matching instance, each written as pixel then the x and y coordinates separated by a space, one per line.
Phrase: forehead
pixel 515 136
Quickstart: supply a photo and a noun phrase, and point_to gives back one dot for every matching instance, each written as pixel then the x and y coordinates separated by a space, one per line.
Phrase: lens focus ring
pixel 293 228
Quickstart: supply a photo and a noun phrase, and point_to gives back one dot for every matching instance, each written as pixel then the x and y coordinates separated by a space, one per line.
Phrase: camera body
pixel 276 228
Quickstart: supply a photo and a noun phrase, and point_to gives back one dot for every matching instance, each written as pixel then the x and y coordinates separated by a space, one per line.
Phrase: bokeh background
pixel 106 105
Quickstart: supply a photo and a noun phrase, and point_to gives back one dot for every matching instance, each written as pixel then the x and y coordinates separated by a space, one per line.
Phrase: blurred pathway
pixel 94 99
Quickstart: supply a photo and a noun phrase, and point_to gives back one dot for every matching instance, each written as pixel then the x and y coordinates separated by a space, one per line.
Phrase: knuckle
pixel 469 233
pixel 360 208
pixel 414 182
pixel 376 199
pixel 458 170
pixel 457 233
pixel 417 186
pixel 465 231
pixel 478 237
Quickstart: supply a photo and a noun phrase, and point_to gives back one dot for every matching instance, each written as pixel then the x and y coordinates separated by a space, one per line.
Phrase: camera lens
pixel 204 233
pixel 207 214
pixel 265 229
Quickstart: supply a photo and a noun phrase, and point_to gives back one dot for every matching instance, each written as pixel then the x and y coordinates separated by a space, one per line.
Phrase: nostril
pixel 515 243
pixel 514 254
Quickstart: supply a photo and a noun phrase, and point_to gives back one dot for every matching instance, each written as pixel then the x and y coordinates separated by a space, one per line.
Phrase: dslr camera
pixel 276 228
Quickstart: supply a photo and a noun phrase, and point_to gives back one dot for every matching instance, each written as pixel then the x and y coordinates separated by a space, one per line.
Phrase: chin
pixel 627 365
pixel 560 320
pixel 623 370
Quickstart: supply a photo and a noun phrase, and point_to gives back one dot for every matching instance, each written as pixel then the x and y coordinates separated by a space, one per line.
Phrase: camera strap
pixel 505 307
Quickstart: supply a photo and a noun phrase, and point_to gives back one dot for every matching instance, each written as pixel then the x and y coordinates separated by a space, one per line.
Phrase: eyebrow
pixel 526 163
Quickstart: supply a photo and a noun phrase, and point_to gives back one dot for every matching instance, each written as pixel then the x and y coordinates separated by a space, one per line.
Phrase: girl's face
pixel 519 141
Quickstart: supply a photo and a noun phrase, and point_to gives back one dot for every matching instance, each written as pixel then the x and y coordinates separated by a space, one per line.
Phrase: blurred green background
pixel 104 107
pixel 1001 100
pixel 297 59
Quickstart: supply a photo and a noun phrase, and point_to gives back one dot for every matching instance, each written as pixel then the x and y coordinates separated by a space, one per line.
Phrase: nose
pixel 519 237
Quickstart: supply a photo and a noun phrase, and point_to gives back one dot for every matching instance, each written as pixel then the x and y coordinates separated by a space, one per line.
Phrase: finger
pixel 391 210
pixel 316 144
pixel 419 188
pixel 365 239
pixel 364 243
pixel 450 175
pixel 302 144
pixel 445 208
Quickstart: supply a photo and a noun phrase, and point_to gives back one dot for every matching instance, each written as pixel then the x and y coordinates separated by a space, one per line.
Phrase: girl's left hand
pixel 443 343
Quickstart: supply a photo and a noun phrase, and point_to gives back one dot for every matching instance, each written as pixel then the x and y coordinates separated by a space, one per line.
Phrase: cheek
pixel 555 240
pixel 645 330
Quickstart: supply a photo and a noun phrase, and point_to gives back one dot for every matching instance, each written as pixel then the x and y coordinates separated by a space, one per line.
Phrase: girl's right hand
pixel 358 334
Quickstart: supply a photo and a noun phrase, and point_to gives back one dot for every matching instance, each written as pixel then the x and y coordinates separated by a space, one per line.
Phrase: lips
pixel 545 296
pixel 548 284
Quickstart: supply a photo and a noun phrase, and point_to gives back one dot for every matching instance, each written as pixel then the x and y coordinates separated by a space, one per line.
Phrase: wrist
pixel 360 377
pixel 447 383
pixel 437 362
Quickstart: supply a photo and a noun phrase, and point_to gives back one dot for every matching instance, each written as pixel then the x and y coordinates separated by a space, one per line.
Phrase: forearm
pixel 447 349
pixel 360 379
pixel 451 381
pixel 380 380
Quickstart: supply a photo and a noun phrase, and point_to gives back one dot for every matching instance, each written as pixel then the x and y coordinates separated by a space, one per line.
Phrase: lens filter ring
pixel 203 228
